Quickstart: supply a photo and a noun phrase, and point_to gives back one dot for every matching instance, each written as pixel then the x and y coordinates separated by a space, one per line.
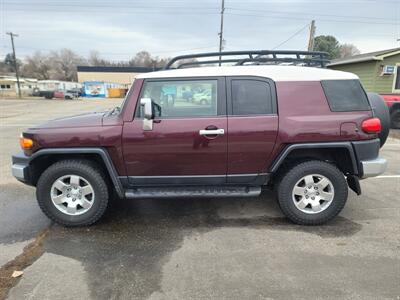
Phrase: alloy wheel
pixel 313 193
pixel 72 195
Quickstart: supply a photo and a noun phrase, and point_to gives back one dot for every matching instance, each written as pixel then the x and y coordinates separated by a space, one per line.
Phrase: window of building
pixel 397 82
pixel 5 86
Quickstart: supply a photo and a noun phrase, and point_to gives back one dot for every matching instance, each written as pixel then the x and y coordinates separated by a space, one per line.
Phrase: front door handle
pixel 212 132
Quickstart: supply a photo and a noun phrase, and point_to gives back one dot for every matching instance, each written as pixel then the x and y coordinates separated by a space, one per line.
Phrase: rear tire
pixel 88 176
pixel 327 201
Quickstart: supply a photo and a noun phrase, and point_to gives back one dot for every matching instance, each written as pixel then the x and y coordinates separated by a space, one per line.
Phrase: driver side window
pixel 185 98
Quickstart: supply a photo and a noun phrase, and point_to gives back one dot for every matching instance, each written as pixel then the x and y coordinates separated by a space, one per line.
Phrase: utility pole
pixel 15 61
pixel 221 33
pixel 312 35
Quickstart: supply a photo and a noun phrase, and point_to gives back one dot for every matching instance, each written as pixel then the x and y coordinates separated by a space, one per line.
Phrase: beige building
pixel 120 75
pixel 9 86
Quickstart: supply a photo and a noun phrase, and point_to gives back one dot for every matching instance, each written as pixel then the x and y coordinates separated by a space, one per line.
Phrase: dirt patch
pixel 29 255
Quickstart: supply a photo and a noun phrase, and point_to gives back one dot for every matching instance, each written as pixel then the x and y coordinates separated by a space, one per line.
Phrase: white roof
pixel 276 73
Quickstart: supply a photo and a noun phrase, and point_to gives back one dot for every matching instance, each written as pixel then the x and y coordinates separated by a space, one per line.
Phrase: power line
pixel 191 12
pixel 289 38
pixel 123 53
pixel 320 20
pixel 309 14
pixel 107 12
pixel 79 6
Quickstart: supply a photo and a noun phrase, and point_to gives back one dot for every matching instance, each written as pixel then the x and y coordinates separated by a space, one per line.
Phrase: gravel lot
pixel 194 249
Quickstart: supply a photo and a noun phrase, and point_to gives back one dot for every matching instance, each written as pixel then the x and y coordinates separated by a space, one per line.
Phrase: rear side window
pixel 345 95
pixel 251 97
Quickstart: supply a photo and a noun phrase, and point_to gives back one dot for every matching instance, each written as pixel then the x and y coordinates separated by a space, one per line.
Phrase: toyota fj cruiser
pixel 272 121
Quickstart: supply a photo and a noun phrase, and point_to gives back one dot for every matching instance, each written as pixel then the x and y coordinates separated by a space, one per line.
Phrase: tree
pixel 327 43
pixel 9 63
pixel 96 60
pixel 63 64
pixel 347 50
pixel 9 60
pixel 143 59
pixel 37 66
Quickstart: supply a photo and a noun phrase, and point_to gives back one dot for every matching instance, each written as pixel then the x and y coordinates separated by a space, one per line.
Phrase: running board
pixel 193 192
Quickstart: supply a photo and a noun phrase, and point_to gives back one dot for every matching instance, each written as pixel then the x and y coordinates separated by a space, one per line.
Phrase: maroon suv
pixel 308 132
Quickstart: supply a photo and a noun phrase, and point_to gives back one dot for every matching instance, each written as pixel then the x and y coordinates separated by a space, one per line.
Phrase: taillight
pixel 372 125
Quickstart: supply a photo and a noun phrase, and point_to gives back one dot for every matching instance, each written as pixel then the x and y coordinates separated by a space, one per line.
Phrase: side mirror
pixel 148 114
pixel 148 108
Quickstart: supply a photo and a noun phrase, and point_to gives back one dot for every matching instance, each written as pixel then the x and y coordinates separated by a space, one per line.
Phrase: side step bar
pixel 193 192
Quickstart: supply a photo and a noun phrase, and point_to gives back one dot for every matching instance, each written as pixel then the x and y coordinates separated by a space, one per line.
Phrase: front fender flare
pixel 103 153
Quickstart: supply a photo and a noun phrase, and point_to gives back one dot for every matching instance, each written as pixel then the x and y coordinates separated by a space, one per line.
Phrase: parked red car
pixel 393 103
pixel 309 133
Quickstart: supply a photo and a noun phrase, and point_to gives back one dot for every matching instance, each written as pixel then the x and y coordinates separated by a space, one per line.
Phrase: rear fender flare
pixel 339 145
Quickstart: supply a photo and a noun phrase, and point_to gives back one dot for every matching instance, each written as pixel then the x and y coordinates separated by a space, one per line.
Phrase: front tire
pixel 73 193
pixel 312 193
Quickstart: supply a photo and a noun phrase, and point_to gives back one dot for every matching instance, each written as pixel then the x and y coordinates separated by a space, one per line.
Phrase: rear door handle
pixel 212 132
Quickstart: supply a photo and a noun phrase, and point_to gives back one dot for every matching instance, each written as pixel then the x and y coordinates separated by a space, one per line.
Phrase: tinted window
pixel 251 97
pixel 186 98
pixel 345 95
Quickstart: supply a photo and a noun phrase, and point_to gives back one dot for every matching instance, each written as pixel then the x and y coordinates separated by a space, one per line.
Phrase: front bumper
pixel 373 167
pixel 20 168
pixel 20 172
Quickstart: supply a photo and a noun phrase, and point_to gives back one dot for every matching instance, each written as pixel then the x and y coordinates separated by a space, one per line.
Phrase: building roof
pixel 5 78
pixel 377 55
pixel 276 73
pixel 115 69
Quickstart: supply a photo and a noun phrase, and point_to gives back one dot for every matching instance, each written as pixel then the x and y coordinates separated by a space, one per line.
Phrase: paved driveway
pixel 195 249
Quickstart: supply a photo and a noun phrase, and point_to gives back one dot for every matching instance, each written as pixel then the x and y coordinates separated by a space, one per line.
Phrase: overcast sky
pixel 120 28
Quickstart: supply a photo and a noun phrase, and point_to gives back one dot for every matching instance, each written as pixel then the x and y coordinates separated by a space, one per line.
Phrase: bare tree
pixel 96 60
pixel 347 50
pixel 37 66
pixel 63 64
pixel 143 59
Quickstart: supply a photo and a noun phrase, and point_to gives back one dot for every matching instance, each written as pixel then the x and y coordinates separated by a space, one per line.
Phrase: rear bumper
pixel 373 167
pixel 370 164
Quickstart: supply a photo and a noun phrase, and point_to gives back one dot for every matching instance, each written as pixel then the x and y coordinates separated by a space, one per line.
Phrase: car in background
pixel 50 89
pixel 202 98
pixel 393 103
pixel 67 95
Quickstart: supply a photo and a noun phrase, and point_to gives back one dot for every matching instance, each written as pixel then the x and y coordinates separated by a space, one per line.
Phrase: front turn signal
pixel 25 143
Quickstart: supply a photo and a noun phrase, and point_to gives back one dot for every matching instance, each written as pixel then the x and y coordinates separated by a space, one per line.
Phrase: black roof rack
pixel 239 58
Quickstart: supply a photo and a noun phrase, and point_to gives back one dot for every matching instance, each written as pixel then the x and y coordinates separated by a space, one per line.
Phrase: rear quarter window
pixel 345 95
